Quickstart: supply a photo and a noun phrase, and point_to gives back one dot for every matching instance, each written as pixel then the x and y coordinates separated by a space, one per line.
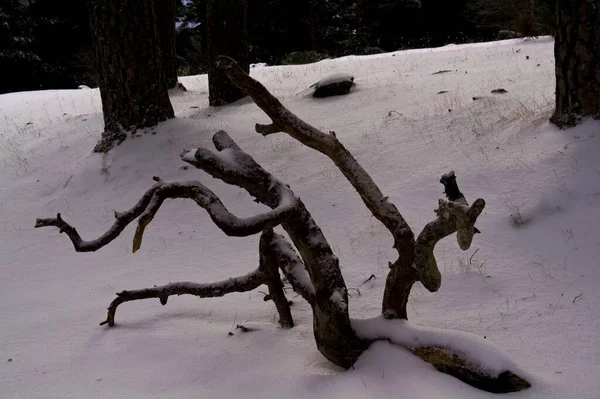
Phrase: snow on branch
pixel 465 356
pixel 225 220
pixel 152 200
pixel 290 264
pixel 285 121
pixel 122 220
pixel 335 340
pixel 244 283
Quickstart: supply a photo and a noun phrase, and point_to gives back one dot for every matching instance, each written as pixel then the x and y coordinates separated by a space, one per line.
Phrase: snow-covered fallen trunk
pixel 465 356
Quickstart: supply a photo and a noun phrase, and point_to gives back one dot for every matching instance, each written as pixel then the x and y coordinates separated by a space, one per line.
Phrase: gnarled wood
pixel 448 362
pixel 415 261
pixel 334 335
pixel 151 201
pixel 317 275
pixel 285 121
pixel 122 220
pixel 238 284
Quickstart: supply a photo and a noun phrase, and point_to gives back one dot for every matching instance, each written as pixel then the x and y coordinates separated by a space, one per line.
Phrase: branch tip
pixel 265 130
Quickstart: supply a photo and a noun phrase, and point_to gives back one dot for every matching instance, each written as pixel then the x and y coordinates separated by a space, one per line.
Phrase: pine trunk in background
pixel 132 81
pixel 577 58
pixel 166 14
pixel 227 35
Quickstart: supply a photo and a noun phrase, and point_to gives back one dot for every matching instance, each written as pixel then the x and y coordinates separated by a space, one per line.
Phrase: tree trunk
pixel 227 34
pixel 132 81
pixel 166 14
pixel 577 58
pixel 313 28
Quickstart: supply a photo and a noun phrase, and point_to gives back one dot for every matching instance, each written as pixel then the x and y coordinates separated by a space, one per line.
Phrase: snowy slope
pixel 529 287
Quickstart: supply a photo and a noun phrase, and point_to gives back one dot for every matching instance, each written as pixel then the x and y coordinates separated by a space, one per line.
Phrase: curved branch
pixel 285 121
pixel 238 284
pixel 122 220
pixel 465 356
pixel 333 334
pixel 452 216
pixel 225 220
pixel 152 200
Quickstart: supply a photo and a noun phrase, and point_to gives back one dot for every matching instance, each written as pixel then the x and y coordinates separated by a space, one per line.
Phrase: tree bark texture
pixel 577 58
pixel 166 14
pixel 227 34
pixel 132 80
pixel 334 335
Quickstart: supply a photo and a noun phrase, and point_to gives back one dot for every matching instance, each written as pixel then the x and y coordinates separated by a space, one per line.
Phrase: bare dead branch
pixel 265 130
pixel 333 333
pixel 238 284
pixel 152 200
pixel 407 269
pixel 451 217
pixel 328 144
pixel 205 198
pixel 122 220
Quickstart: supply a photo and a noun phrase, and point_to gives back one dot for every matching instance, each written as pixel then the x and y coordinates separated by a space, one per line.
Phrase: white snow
pixel 529 284
pixel 333 79
pixel 489 359
pixel 338 298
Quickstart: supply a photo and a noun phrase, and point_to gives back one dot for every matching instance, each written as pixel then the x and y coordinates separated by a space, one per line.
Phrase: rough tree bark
pixel 132 80
pixel 227 34
pixel 577 61
pixel 315 274
pixel 166 15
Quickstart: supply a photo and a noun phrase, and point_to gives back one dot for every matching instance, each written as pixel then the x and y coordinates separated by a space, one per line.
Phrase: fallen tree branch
pixel 238 284
pixel 454 216
pixel 465 356
pixel 122 220
pixel 416 261
pixel 285 121
pixel 151 202
pixel 334 336
pixel 225 220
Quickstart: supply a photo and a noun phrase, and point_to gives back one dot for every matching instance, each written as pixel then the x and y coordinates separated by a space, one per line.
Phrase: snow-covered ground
pixel 529 284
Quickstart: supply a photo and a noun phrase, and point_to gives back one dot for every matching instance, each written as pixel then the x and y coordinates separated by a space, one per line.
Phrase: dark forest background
pixel 46 44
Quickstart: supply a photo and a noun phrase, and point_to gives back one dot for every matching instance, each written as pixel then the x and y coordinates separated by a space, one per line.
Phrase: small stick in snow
pixel 371 277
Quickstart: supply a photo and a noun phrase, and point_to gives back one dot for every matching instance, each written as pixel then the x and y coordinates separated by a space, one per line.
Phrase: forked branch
pixel 416 261
pixel 151 202
pixel 122 220
pixel 285 121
